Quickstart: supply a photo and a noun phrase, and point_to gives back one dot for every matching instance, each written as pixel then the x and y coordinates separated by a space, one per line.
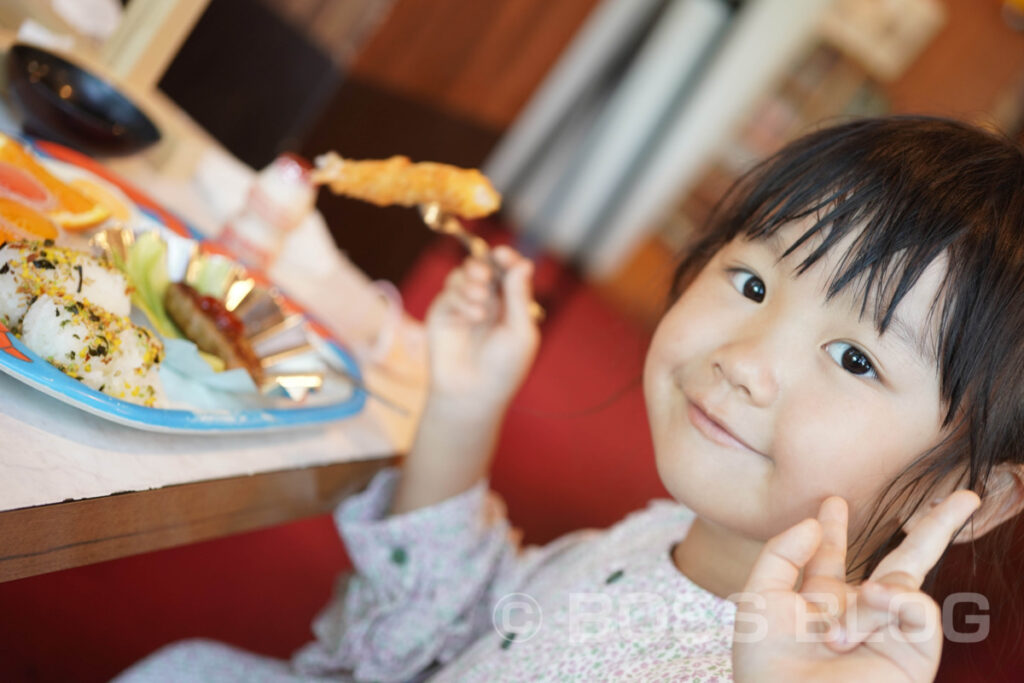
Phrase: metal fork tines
pixel 448 224
pixel 445 223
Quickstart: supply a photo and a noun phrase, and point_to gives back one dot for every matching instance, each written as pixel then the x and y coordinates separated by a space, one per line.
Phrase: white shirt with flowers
pixel 445 593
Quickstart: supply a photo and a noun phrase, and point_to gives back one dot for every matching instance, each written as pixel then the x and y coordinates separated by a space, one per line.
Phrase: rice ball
pixel 14 297
pixel 68 337
pixel 104 351
pixel 31 269
pixel 133 373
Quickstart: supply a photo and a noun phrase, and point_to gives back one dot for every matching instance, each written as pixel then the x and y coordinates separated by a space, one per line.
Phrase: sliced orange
pixel 17 183
pixel 20 222
pixel 74 211
pixel 117 205
pixel 81 220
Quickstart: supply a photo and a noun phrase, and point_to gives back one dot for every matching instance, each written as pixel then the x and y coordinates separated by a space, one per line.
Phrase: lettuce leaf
pixel 145 266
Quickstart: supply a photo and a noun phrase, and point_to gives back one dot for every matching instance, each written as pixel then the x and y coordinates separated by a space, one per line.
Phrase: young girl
pixel 843 351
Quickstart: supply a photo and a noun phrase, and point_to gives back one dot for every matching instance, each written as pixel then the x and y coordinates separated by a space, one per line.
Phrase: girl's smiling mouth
pixel 715 431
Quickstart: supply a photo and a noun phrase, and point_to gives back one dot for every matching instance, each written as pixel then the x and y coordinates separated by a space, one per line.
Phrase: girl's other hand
pixel 885 629
pixel 481 336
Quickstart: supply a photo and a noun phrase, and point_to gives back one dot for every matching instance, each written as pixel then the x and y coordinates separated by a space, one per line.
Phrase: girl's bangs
pixel 883 255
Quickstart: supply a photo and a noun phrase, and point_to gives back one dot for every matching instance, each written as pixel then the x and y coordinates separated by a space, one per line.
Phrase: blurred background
pixel 610 126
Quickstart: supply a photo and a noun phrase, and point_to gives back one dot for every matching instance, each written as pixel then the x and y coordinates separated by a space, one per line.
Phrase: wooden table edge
pixel 48 538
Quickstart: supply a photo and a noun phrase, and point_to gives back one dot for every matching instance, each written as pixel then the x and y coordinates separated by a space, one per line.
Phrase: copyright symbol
pixel 517 616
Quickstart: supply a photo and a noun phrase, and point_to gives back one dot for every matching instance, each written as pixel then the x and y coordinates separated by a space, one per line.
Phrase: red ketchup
pixel 226 321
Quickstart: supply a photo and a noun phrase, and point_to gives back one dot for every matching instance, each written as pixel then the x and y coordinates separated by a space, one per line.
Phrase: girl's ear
pixel 1003 500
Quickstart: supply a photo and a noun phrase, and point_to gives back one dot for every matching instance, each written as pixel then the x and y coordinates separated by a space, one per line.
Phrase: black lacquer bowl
pixel 66 103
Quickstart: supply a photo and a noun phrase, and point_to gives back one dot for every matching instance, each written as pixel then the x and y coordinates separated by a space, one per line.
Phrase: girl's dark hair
pixel 908 190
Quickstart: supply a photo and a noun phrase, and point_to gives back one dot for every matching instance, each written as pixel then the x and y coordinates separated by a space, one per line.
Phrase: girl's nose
pixel 750 368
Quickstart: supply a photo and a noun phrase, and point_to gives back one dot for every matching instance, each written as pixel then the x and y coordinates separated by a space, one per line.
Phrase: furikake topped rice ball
pixel 30 269
pixel 71 309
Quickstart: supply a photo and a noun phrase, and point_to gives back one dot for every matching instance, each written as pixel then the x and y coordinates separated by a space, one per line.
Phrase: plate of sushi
pixel 111 304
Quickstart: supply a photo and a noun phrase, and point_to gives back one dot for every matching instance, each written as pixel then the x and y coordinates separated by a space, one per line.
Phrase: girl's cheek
pixel 676 338
pixel 842 449
pixel 817 442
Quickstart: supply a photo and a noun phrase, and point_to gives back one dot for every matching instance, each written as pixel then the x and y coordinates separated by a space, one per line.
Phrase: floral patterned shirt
pixel 446 593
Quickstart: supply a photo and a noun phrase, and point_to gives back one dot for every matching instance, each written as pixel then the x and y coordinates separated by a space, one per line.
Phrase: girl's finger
pixel 871 610
pixel 454 279
pixel 459 286
pixel 518 294
pixel 474 292
pixel 478 270
pixel 904 626
pixel 472 272
pixel 824 582
pixel 912 611
pixel 908 564
pixel 783 556
pixel 469 310
pixel 507 257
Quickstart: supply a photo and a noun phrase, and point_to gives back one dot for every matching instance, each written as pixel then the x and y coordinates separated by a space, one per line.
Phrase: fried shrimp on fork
pixel 385 182
pixel 443 193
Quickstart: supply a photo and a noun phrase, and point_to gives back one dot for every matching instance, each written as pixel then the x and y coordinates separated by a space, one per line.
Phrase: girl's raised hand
pixel 481 335
pixel 885 629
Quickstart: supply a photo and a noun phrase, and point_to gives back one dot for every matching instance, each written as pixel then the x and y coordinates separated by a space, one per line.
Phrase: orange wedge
pixel 17 183
pixel 19 222
pixel 117 205
pixel 74 211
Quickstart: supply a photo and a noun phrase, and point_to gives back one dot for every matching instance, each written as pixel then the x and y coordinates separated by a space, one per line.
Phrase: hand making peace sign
pixel 885 629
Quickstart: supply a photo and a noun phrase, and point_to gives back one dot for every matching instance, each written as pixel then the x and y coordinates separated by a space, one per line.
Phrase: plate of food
pixel 111 304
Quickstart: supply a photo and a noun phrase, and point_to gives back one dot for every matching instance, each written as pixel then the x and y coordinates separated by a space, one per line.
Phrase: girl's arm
pixel 428 574
pixel 481 343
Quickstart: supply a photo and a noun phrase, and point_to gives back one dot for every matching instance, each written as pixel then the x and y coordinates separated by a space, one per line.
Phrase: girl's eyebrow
pixel 777 245
pixel 911 338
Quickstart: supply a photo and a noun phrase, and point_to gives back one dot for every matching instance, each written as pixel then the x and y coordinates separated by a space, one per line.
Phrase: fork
pixel 448 224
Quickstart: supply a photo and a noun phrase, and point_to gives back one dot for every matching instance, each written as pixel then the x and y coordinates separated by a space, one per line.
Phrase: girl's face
pixel 764 398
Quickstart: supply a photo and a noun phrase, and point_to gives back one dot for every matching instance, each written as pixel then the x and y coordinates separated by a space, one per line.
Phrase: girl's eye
pixel 748 284
pixel 851 359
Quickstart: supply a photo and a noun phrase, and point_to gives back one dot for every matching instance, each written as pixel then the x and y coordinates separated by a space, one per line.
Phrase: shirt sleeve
pixel 423 583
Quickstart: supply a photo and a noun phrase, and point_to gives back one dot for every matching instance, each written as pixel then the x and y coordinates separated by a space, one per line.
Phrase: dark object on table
pixel 253 80
pixel 66 103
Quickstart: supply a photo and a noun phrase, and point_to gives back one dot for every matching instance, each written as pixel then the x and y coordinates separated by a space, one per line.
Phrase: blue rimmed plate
pixel 21 363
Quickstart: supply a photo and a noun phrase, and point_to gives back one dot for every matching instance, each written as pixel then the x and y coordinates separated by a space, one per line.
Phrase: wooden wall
pixel 481 59
pixel 477 59
pixel 967 68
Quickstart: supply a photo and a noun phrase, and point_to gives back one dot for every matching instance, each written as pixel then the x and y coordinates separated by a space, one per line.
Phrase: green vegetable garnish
pixel 145 266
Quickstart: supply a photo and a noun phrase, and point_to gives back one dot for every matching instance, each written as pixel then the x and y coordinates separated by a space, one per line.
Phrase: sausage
pixel 213 328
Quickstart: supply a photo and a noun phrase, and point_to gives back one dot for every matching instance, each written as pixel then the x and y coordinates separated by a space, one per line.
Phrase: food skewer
pixel 441 192
pixel 399 181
